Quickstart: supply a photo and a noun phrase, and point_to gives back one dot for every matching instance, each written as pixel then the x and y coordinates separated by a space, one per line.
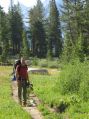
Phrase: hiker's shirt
pixel 22 72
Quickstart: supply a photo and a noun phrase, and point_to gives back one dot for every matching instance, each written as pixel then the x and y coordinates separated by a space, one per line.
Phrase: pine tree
pixel 55 38
pixel 39 48
pixel 4 35
pixel 85 27
pixel 73 27
pixel 16 24
pixel 25 51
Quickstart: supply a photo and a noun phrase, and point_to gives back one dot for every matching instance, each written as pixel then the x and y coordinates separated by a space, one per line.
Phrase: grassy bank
pixel 66 91
pixel 8 108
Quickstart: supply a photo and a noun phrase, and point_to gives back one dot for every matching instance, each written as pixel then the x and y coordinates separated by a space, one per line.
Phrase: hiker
pixel 22 79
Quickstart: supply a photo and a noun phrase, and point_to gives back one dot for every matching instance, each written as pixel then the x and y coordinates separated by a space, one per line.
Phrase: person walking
pixel 22 80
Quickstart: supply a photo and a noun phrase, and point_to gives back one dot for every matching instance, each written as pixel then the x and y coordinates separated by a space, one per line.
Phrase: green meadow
pixel 67 92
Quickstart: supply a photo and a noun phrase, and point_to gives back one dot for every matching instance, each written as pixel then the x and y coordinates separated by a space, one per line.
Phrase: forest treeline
pixel 58 31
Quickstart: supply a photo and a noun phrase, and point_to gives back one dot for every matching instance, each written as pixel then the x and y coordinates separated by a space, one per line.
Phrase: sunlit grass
pixel 45 88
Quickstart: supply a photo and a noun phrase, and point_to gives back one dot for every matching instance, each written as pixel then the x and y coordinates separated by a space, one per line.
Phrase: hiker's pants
pixel 22 90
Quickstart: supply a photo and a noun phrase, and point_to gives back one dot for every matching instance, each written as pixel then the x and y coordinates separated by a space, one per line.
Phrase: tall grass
pixel 43 87
pixel 75 79
pixel 69 90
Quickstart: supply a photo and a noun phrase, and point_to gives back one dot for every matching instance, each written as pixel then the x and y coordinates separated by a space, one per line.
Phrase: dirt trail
pixel 34 101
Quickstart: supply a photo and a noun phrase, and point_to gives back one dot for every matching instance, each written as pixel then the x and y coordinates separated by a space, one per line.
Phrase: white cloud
pixel 6 3
pixel 29 3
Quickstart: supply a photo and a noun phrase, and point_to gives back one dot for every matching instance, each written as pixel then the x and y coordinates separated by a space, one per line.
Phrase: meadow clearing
pixel 66 102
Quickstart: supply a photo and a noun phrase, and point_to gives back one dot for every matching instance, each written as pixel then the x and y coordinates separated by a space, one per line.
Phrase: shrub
pixel 62 106
pixel 75 79
pixel 70 79
pixel 35 61
pixel 43 63
pixel 84 87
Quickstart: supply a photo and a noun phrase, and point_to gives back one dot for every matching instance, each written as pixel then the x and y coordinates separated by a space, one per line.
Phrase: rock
pixel 38 71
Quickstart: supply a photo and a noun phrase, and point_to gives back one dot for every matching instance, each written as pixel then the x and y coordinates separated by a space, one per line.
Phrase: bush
pixel 62 106
pixel 43 63
pixel 84 87
pixel 35 61
pixel 75 79
pixel 70 79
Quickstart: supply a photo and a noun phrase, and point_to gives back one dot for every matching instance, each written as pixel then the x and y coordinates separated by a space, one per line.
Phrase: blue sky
pixel 29 3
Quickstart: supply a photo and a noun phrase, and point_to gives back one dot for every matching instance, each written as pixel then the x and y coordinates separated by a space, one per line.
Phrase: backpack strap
pixel 19 67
